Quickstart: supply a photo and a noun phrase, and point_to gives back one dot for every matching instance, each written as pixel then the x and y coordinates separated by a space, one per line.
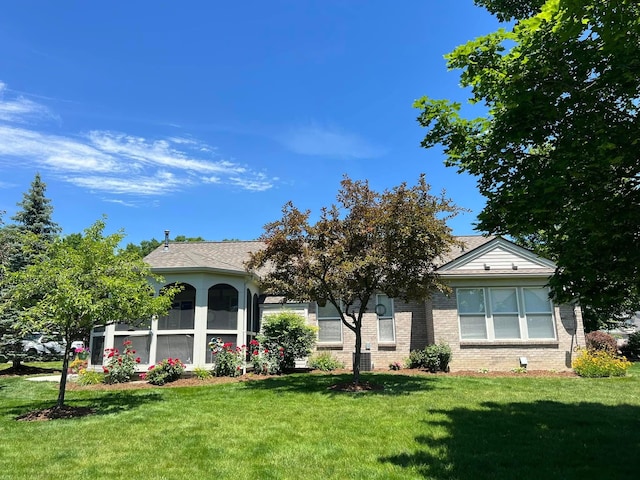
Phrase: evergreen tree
pixel 23 244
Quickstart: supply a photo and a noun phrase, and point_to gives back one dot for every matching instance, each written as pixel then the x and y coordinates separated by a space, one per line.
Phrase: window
pixel 182 313
pixel 222 313
pixel 139 343
pixel 513 313
pixel 386 323
pixel 175 346
pixel 471 309
pixel 329 324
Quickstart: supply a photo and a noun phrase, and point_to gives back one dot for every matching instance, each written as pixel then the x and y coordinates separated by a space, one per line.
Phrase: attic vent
pixel 487 267
pixel 514 266
pixel 166 240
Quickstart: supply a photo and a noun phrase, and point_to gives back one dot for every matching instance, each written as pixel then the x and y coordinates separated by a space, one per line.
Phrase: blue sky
pixel 205 118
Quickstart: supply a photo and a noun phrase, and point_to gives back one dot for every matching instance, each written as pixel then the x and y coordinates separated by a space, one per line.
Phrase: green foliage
pixel 368 242
pixel 227 360
pixel 289 331
pixel 85 283
pixel 147 246
pixel 22 244
pixel 417 359
pixel 326 362
pixel 601 341
pixel 631 348
pixel 201 373
pixel 599 363
pixel 556 152
pixel 266 360
pixel 166 371
pixel 433 358
pixel 120 366
pixel 90 377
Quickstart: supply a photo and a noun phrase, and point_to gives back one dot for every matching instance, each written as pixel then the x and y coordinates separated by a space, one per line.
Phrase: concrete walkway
pixel 51 378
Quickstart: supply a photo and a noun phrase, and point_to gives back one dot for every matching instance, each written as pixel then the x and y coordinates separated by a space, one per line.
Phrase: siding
pixel 500 259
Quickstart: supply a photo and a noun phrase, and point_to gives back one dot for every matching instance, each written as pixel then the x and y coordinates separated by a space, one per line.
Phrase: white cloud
pixel 115 162
pixel 330 142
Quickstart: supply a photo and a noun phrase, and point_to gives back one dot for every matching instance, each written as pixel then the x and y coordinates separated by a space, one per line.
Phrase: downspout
pixel 244 327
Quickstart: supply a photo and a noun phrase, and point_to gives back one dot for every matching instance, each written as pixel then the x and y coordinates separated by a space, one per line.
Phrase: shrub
pixel 291 332
pixel 416 359
pixel 227 361
pixel 266 361
pixel 433 358
pixel 632 346
pixel 326 362
pixel 168 370
pixel 601 341
pixel 395 366
pixel 599 363
pixel 120 367
pixel 201 373
pixel 90 377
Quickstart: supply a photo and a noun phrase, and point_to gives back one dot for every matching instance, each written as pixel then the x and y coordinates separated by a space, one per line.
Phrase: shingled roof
pixel 223 256
pixel 231 256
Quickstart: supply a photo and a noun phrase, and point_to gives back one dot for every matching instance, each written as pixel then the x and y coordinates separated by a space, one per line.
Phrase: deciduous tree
pixel 367 242
pixel 82 284
pixel 557 154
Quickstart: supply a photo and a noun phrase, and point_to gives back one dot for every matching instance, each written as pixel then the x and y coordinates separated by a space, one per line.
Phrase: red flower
pixel 126 343
pixel 105 370
pixel 254 342
pixel 151 367
pixel 133 351
pixel 227 345
pixel 138 360
pixel 255 352
pixel 110 355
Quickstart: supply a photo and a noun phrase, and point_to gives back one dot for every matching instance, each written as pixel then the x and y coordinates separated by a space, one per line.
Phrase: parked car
pixel 36 344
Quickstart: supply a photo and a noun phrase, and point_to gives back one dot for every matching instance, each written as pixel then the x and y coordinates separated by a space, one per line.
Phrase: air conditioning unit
pixel 365 361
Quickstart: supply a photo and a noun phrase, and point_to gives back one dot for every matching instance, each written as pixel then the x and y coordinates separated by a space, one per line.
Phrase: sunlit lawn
pixel 294 427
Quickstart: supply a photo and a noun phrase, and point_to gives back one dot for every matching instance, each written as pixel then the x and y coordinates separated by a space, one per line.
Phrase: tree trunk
pixel 356 360
pixel 63 377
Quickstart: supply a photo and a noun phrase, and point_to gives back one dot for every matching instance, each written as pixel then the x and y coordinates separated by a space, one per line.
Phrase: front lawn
pixel 294 427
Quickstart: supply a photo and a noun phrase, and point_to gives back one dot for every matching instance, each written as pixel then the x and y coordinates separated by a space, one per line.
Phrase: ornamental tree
pixel 557 152
pixel 82 284
pixel 368 242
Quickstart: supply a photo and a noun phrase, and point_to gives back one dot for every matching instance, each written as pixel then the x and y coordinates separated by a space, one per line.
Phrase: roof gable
pixel 498 256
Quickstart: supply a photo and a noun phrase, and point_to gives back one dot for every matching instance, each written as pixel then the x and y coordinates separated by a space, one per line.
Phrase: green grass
pixel 292 427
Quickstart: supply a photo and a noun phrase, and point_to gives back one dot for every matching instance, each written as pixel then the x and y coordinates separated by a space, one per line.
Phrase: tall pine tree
pixel 23 243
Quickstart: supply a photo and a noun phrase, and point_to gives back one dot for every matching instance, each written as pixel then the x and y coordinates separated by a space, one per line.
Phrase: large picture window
pixel 511 313
pixel 329 324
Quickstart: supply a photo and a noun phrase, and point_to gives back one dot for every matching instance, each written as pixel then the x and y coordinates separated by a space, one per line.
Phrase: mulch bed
pixel 55 413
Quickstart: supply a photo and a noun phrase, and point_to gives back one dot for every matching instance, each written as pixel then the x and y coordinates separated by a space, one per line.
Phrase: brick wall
pixel 543 355
pixel 411 333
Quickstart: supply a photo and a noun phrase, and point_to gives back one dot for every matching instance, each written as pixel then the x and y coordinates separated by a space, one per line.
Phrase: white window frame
pixel 320 319
pixel 489 315
pixel 386 316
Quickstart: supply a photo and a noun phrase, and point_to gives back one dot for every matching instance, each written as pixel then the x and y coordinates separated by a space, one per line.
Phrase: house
pixel 497 316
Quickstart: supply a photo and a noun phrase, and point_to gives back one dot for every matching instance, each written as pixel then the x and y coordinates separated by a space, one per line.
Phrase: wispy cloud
pixel 328 141
pixel 115 162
